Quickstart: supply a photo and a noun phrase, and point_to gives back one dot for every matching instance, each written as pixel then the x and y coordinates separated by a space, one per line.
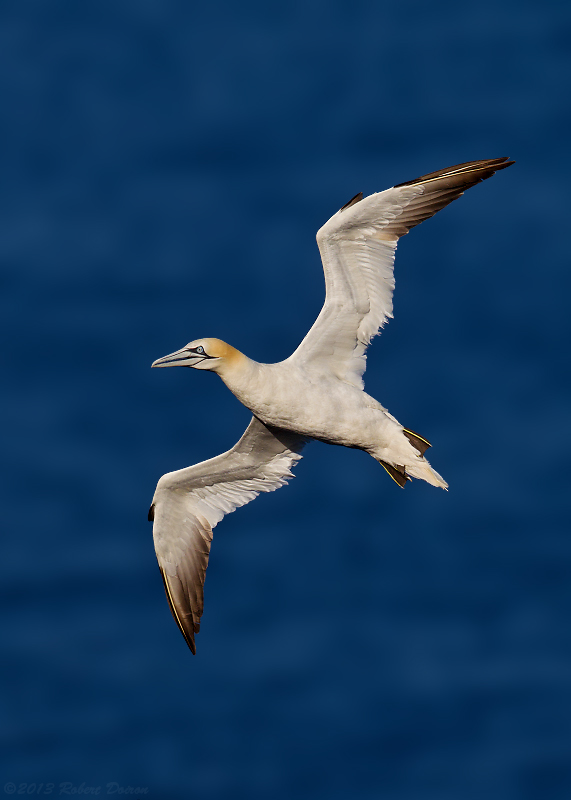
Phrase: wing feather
pixel 188 504
pixel 357 247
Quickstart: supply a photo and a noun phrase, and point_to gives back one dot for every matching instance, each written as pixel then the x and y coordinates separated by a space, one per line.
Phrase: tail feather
pixel 422 469
pixel 419 468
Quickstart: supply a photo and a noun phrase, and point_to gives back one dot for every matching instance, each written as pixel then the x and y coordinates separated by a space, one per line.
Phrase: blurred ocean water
pixel 165 167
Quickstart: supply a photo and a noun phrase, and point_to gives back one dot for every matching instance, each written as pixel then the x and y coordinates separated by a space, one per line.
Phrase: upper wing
pixel 357 247
pixel 189 503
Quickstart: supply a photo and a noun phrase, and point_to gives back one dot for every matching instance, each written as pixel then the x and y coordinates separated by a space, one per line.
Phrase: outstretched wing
pixel 357 247
pixel 189 503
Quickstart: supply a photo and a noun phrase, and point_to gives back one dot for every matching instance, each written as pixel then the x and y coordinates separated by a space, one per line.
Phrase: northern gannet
pixel 316 393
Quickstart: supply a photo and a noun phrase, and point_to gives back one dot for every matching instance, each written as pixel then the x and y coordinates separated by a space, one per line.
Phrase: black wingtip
pixel 358 197
pixel 478 170
pixel 151 514
pixel 188 637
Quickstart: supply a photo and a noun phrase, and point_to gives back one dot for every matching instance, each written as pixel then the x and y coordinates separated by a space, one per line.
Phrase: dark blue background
pixel 164 167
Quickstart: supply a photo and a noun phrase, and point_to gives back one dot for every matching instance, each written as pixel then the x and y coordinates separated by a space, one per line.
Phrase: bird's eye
pixel 200 349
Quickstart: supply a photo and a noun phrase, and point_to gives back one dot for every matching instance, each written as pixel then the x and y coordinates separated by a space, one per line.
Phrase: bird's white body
pixel 316 393
pixel 318 405
pixel 288 396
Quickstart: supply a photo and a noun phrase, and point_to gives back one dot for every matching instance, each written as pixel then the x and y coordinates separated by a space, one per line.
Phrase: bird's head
pixel 212 354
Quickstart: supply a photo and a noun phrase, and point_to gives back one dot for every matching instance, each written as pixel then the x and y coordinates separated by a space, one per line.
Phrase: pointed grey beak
pixel 181 358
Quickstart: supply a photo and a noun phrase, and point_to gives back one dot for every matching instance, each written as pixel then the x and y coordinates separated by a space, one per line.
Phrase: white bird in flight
pixel 316 393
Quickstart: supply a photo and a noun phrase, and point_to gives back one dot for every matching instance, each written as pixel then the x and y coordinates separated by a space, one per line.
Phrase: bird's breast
pixel 319 406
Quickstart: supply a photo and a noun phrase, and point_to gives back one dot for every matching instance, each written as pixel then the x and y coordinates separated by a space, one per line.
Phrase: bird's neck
pixel 240 374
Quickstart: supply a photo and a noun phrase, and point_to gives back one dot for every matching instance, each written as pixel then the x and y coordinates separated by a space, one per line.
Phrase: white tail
pixel 422 469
